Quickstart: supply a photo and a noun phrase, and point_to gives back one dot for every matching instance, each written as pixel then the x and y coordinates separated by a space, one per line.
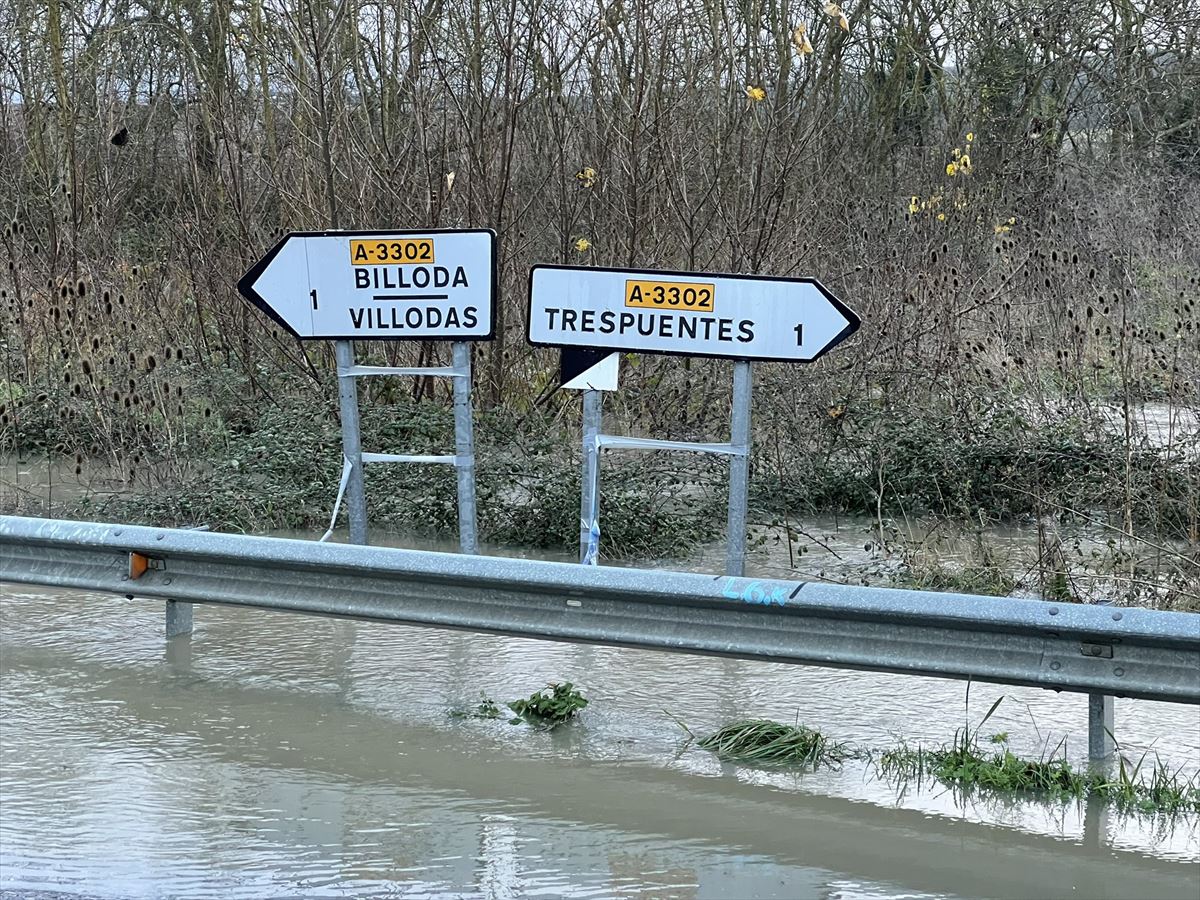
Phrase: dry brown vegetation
pixel 1020 309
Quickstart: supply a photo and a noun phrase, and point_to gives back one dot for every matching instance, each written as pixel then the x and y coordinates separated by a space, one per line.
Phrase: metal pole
pixel 739 470
pixel 179 618
pixel 356 499
pixel 1100 727
pixel 1095 821
pixel 179 613
pixel 464 448
pixel 589 507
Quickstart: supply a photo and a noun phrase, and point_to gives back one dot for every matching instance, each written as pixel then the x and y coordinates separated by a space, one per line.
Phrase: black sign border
pixel 246 282
pixel 852 319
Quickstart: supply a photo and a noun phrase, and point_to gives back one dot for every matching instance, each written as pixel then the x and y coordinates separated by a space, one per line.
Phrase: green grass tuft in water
pixel 764 742
pixel 968 766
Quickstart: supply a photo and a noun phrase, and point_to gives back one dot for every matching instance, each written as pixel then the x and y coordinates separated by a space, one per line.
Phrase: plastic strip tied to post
pixel 592 556
pixel 347 467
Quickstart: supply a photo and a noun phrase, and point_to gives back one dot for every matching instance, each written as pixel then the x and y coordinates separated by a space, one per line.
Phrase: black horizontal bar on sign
pixel 388 297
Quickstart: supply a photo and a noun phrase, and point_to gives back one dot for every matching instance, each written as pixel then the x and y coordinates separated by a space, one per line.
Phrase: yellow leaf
pixel 586 176
pixel 970 136
pixel 951 169
pixel 941 217
pixel 914 205
pixel 583 245
pixel 835 12
pixel 755 93
pixel 800 40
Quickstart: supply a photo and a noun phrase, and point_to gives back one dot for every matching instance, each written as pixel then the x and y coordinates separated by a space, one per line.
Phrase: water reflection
pixel 277 754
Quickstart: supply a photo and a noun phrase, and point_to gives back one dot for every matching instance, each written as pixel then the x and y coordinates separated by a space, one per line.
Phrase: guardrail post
pixel 739 470
pixel 356 499
pixel 179 618
pixel 589 507
pixel 1100 727
pixel 464 449
pixel 1095 821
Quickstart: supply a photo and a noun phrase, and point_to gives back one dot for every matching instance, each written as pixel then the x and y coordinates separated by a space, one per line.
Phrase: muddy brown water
pixel 275 754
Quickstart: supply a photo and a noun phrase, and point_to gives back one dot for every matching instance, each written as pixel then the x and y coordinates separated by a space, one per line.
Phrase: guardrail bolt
pixel 1054 610
pixel 1056 665
pixel 1116 617
pixel 1118 671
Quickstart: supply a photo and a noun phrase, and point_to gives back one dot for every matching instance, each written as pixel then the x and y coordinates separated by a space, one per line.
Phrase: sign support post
pixel 464 447
pixel 356 498
pixel 589 510
pixel 595 313
pixel 343 286
pixel 739 470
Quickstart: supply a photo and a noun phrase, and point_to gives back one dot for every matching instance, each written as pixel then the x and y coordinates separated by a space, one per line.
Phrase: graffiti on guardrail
pixel 763 593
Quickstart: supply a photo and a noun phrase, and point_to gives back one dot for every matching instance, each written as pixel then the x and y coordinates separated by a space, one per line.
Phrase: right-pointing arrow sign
pixel 686 313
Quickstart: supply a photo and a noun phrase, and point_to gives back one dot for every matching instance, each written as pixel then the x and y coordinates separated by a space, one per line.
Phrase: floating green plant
pixel 550 707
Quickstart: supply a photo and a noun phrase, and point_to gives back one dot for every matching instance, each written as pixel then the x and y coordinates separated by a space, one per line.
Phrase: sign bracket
pixel 738 451
pixel 463 458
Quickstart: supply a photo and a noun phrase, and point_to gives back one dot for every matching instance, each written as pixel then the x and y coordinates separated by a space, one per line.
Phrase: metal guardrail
pixel 1099 650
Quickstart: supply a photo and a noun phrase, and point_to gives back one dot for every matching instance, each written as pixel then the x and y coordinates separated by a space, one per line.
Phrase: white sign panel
pixel 379 285
pixel 686 313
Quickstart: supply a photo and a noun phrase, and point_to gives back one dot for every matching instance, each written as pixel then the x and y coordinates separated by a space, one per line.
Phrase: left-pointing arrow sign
pixel 379 285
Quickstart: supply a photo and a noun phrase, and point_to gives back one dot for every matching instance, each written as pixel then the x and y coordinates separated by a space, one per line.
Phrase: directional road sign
pixel 729 316
pixel 389 285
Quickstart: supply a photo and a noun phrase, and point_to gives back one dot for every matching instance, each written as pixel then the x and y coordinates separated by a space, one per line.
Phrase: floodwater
pixel 274 754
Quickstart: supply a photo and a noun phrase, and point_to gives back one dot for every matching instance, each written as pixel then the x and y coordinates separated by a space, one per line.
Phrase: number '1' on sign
pixel 749 317
pixel 434 285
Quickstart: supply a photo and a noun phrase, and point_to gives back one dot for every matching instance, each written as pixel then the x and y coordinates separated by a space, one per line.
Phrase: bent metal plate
pixel 754 317
pixel 379 285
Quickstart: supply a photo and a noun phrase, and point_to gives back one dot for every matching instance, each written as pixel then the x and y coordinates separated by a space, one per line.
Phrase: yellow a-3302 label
pixel 675 295
pixel 394 252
